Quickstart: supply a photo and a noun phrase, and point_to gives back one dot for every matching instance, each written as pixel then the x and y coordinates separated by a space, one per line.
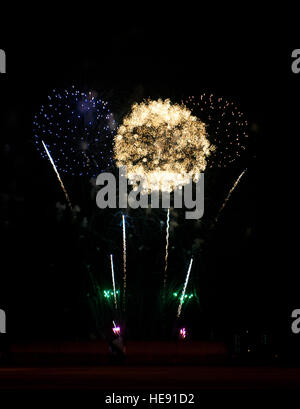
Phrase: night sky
pixel 248 275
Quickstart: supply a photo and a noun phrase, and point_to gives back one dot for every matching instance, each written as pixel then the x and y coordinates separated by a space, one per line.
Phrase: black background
pixel 249 60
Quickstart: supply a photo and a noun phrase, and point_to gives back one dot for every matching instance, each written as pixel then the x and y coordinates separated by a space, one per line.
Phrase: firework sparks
pixel 182 333
pixel 227 127
pixel 162 145
pixel 116 329
pixel 78 127
pixel 184 288
pixel 230 193
pixel 167 247
pixel 124 262
pixel 58 176
pixel 113 280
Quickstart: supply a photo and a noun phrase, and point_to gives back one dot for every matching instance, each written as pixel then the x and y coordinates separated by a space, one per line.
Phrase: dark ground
pixel 184 365
pixel 150 377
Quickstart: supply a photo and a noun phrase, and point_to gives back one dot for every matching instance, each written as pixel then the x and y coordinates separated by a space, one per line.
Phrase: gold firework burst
pixel 162 145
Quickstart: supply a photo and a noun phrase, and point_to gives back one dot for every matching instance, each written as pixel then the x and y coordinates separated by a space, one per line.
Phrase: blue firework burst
pixel 78 128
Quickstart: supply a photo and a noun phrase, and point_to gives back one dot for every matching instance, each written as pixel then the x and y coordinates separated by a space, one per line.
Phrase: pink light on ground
pixel 182 333
pixel 116 329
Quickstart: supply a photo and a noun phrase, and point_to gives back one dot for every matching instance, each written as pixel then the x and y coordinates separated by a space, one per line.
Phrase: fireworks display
pixel 182 297
pixel 186 296
pixel 124 262
pixel 113 280
pixel 78 128
pixel 162 144
pixel 57 174
pixel 182 333
pixel 227 127
pixel 230 193
pixel 109 293
pixel 167 248
pixel 116 329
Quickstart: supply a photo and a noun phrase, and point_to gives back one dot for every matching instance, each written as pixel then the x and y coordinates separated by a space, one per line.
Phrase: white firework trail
pixel 184 288
pixel 113 280
pixel 58 176
pixel 167 248
pixel 230 193
pixel 124 263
